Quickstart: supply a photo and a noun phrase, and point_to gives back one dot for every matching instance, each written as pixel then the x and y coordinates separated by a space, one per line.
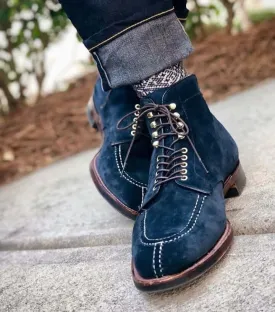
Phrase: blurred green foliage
pixel 199 21
pixel 26 28
pixel 259 16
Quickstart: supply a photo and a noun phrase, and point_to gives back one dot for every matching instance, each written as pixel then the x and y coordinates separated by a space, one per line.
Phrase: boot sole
pixel 233 186
pixel 108 195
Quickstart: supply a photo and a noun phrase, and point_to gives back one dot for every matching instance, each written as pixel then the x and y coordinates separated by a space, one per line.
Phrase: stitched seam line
pixel 99 63
pixel 191 97
pixel 113 196
pixel 154 264
pixel 160 256
pixel 142 198
pixel 184 234
pixel 158 239
pixel 121 171
pixel 126 174
pixel 130 27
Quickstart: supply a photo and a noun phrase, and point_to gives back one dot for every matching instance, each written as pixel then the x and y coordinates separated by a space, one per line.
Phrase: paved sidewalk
pixel 62 248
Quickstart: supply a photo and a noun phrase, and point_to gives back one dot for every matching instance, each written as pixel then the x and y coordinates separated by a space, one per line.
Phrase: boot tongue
pixel 197 175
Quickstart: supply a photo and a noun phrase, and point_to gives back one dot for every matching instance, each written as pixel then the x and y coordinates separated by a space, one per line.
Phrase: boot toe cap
pixel 155 258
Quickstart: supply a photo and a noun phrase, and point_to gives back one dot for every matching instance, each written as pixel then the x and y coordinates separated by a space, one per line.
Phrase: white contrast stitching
pixel 160 255
pixel 158 239
pixel 142 194
pixel 154 266
pixel 185 233
pixel 121 171
pixel 121 163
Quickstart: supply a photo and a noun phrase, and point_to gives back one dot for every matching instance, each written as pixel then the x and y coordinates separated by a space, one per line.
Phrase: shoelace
pixel 172 164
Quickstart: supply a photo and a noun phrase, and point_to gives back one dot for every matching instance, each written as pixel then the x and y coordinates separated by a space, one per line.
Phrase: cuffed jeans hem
pixel 142 52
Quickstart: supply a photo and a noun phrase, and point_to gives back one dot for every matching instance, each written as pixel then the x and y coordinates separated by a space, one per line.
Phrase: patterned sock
pixel 163 79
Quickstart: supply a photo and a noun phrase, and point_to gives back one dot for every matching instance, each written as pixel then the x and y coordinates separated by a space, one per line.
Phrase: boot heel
pixel 235 184
pixel 93 117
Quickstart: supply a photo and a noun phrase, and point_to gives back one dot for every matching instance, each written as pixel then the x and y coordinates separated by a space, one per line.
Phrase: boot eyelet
pixel 184 157
pixel 173 106
pixel 135 119
pixel 184 150
pixel 156 144
pixel 184 165
pixel 133 133
pixel 137 106
pixel 153 124
pixel 177 115
pixel 136 114
pixel 155 135
pixel 184 171
pixel 134 126
pixel 150 115
pixel 185 178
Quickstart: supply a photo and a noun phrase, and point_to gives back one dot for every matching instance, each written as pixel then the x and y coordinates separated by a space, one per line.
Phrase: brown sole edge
pixel 110 197
pixel 191 274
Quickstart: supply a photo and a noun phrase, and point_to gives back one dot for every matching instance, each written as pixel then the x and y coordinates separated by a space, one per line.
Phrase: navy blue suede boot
pixel 123 186
pixel 182 230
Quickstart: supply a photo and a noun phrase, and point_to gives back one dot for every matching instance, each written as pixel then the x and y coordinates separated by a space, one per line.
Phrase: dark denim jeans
pixel 130 40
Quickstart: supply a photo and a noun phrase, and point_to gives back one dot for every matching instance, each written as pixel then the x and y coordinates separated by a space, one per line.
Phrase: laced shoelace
pixel 172 164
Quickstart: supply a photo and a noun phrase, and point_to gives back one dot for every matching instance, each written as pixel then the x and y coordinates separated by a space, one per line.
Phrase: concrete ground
pixel 63 248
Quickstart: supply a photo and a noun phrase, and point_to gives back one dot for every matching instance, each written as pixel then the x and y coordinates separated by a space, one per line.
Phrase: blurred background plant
pixel 27 28
pixel 207 17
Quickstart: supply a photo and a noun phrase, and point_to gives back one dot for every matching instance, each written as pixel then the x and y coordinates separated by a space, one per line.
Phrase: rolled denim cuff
pixel 142 52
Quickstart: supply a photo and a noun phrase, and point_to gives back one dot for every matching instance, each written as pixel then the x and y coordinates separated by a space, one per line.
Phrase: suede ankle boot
pixel 122 185
pixel 183 230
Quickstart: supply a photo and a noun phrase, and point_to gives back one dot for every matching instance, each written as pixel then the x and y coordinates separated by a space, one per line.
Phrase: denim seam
pixel 159 239
pixel 119 170
pixel 182 25
pixel 130 27
pixel 184 234
pixel 99 63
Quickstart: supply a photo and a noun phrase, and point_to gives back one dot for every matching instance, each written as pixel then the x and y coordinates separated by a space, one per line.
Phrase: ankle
pixel 163 79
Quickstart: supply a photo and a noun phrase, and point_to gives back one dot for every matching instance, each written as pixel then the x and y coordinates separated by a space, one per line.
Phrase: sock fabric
pixel 163 79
